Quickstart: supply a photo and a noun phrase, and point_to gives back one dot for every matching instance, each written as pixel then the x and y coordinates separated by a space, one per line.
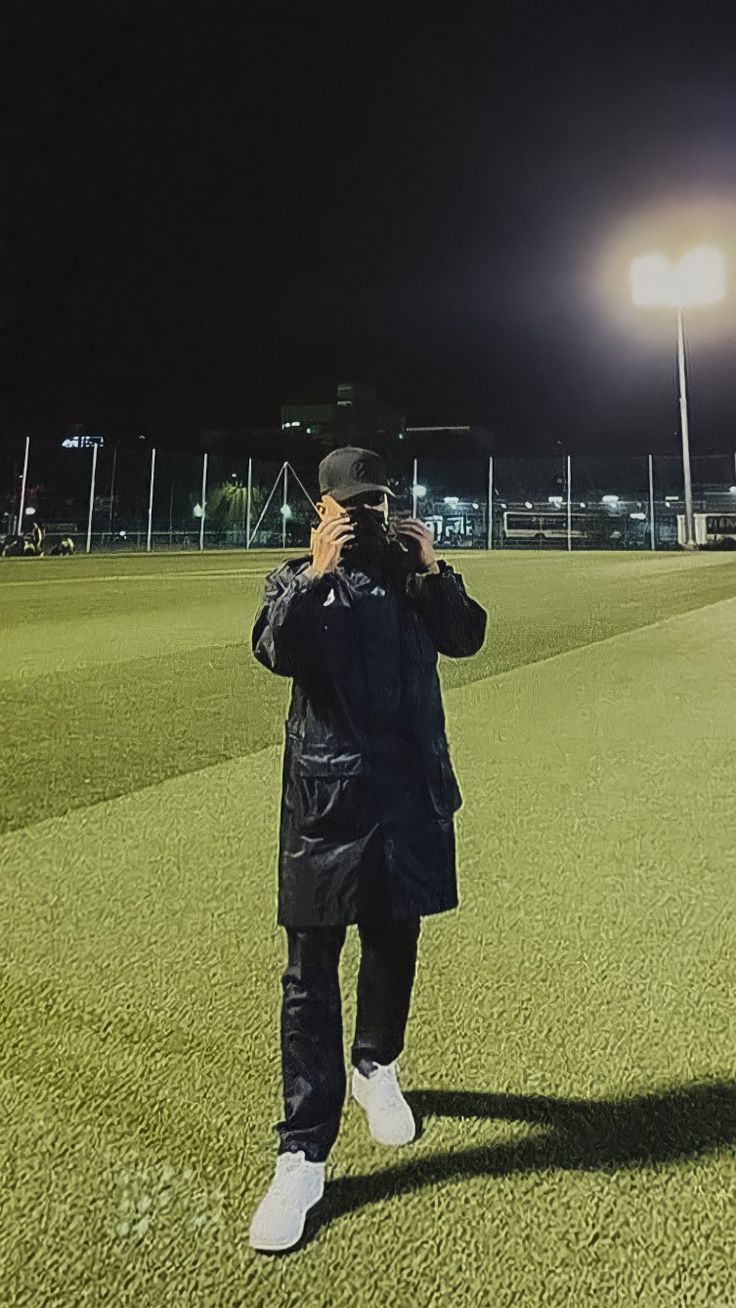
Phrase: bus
pixel 545 525
pixel 714 530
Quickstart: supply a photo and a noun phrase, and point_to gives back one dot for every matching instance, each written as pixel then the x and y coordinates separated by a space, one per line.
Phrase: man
pixel 367 807
pixel 38 533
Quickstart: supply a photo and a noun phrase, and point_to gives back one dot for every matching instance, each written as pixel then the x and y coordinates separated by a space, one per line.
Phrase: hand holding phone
pixel 330 537
pixel 416 540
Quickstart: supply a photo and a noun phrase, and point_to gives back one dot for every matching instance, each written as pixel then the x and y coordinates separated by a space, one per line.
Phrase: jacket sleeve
pixel 280 639
pixel 455 622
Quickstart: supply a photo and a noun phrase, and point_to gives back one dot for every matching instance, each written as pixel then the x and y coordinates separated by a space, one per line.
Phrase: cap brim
pixel 346 492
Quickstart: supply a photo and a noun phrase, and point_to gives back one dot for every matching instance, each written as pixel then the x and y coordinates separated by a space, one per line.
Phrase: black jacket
pixel 369 792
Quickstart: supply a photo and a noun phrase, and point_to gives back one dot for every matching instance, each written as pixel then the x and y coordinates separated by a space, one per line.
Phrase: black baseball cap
pixel 349 470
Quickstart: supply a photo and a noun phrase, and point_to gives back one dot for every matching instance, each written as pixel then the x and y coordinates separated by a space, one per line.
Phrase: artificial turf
pixel 570 1048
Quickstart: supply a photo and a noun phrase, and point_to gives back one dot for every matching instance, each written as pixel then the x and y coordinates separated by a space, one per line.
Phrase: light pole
pixel 699 277
pixel 690 543
pixel 564 467
pixel 112 485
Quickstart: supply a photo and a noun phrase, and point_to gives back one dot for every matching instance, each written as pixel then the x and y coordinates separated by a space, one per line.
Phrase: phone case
pixel 327 508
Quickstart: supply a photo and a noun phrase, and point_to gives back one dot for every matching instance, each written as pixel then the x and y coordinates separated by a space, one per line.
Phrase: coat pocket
pixel 444 792
pixel 334 794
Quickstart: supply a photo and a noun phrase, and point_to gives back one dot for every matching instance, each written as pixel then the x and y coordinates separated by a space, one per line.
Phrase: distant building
pixel 354 417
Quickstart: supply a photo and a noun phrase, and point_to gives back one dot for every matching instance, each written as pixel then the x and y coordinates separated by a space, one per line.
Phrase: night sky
pixel 215 210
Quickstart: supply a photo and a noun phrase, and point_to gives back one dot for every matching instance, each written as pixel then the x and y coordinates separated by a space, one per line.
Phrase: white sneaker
pixel 279 1220
pixel 390 1118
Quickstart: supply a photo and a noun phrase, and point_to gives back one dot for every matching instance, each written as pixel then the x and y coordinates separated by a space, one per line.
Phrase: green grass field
pixel 570 1049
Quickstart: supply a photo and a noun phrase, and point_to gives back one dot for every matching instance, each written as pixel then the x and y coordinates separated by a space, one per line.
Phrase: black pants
pixel 312 1055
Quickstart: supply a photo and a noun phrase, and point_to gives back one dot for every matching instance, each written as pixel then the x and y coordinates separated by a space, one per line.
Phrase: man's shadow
pixel 573 1135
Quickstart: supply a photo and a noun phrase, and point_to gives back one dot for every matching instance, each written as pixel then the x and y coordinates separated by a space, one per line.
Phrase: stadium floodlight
pixel 699 277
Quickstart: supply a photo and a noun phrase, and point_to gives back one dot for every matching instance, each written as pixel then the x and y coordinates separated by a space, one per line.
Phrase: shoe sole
pixel 279 1248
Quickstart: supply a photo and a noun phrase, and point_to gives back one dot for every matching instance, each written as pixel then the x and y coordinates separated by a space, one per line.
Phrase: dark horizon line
pixel 287 452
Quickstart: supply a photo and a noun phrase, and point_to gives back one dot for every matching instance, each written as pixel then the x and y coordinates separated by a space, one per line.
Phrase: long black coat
pixel 368 788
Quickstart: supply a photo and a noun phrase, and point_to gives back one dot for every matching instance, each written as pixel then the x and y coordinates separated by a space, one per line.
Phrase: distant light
pixel 732 490
pixel 401 435
pixel 638 515
pixel 476 506
pixel 554 499
pixel 528 504
pixel 699 277
pixel 285 511
pixel 420 491
pixel 30 509
pixel 609 499
pixel 670 498
pixel 452 500
pixel 197 511
pixel 82 442
pixel 582 505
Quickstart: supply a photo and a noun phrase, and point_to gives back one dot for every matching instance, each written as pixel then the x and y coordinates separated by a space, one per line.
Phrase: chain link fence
pixel 106 499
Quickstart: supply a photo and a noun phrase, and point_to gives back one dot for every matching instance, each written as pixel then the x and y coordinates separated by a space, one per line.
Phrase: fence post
pixel 247 507
pixel 19 524
pixel 569 503
pixel 651 503
pixel 204 495
pixel 91 495
pixel 489 524
pixel 150 498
